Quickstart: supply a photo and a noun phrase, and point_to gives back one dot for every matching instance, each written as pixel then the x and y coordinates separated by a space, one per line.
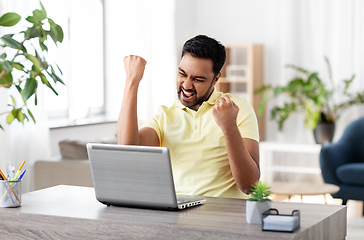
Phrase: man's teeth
pixel 187 94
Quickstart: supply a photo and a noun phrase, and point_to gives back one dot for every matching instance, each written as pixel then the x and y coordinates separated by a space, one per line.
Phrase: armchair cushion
pixel 352 173
pixel 76 149
pixel 73 149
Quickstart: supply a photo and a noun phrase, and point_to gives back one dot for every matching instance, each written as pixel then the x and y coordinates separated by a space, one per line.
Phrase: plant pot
pixel 255 210
pixel 324 132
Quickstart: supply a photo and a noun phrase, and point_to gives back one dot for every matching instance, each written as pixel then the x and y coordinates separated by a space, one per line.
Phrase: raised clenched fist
pixel 225 113
pixel 134 68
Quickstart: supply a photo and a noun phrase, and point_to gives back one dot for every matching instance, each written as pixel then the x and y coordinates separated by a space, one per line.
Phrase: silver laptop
pixel 135 176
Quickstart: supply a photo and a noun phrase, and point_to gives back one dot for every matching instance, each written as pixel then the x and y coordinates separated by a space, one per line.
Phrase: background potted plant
pixel 23 64
pixel 322 105
pixel 258 203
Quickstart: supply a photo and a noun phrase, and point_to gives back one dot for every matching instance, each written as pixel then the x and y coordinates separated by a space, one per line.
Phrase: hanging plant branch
pixel 40 70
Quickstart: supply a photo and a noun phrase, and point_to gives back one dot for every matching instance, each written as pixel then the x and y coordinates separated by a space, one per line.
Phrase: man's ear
pixel 217 78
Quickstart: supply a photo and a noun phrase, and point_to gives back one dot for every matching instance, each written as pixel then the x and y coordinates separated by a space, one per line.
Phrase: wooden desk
pixel 70 212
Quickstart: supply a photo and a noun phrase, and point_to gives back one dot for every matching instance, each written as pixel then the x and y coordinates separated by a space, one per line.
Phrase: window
pixel 80 57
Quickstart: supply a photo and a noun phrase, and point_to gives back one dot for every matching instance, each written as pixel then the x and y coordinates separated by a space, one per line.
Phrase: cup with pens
pixel 10 187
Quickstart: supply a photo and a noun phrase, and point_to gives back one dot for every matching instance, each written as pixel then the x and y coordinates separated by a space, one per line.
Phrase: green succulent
pixel 260 192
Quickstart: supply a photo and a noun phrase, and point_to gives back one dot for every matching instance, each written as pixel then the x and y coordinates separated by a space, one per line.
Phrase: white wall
pixel 232 21
pixel 185 23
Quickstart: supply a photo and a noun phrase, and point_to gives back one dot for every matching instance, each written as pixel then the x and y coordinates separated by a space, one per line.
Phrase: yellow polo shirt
pixel 197 146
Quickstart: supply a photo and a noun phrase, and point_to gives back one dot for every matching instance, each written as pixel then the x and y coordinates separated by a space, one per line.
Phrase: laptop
pixel 135 176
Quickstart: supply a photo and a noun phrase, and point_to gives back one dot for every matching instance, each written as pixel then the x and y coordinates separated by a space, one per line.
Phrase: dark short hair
pixel 205 47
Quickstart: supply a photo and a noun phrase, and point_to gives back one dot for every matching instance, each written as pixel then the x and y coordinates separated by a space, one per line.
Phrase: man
pixel 212 137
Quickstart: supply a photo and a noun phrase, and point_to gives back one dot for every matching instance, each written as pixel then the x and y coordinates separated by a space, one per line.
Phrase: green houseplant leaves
pixel 9 19
pixel 308 93
pixel 29 52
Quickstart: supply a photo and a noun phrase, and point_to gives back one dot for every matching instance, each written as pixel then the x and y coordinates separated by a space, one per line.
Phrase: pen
pixel 21 175
pixel 18 172
pixel 2 175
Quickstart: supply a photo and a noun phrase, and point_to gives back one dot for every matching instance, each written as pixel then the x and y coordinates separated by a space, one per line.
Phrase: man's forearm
pixel 127 128
pixel 244 168
pixel 128 132
pixel 243 158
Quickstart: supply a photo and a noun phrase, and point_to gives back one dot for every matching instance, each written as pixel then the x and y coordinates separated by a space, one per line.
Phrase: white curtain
pixel 308 30
pixel 28 142
pixel 144 28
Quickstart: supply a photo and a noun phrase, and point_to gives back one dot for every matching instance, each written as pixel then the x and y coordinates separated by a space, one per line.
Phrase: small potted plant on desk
pixel 258 203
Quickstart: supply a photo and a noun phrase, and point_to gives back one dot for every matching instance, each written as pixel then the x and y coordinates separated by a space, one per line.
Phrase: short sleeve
pixel 247 121
pixel 155 123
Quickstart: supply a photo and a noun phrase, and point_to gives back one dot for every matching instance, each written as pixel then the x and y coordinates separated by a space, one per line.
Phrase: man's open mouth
pixel 187 95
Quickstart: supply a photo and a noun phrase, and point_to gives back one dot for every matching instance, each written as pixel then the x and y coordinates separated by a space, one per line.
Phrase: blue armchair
pixel 342 163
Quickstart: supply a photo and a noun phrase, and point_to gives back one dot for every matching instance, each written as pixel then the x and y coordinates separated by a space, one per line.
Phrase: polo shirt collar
pixel 215 95
pixel 180 105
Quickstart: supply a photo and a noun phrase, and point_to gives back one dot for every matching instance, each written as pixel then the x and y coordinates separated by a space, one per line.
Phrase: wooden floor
pixel 354 213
